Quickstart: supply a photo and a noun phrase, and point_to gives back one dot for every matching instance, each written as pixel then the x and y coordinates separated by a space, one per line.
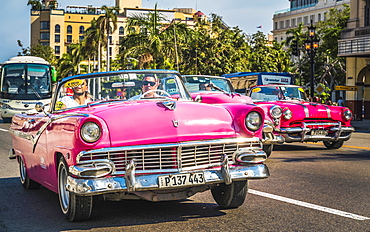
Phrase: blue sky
pixel 247 14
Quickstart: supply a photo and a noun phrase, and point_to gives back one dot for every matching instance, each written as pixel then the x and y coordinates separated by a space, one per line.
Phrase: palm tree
pixel 146 38
pixel 94 38
pixel 53 5
pixel 105 22
pixel 36 4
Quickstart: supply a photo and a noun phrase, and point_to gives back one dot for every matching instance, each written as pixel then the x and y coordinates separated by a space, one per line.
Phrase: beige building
pixel 355 46
pixel 302 11
pixel 59 28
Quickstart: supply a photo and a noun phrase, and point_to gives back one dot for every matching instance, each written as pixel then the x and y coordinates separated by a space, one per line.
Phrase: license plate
pixel 319 132
pixel 179 180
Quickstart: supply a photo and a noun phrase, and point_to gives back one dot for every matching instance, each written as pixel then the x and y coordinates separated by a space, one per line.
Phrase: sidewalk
pixel 363 125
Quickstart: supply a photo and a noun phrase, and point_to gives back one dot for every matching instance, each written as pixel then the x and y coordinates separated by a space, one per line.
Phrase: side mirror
pixel 39 107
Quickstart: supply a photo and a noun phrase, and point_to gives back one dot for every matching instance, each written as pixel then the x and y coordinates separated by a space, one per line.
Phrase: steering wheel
pixel 154 91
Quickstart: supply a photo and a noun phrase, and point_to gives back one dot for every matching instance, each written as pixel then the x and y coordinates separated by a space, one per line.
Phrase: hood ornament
pixel 171 105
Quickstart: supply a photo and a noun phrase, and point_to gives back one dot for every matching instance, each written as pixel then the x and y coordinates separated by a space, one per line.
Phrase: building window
pixel 44 36
pixel 299 20
pixel 45 44
pixel 305 20
pixel 110 39
pixel 69 29
pixel 319 17
pixel 57 28
pixel 57 49
pixel 110 51
pixel 121 31
pixel 293 23
pixel 287 23
pixel 281 25
pixel 82 29
pixel 312 18
pixel 57 39
pixel 276 25
pixel 81 38
pixel 45 25
pixel 69 38
pixel 367 13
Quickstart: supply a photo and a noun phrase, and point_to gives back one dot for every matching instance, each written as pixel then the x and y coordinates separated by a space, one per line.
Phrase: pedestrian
pixel 341 102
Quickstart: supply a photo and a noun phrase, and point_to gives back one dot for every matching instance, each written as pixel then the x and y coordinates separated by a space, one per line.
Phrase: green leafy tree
pixel 215 49
pixel 267 57
pixel 45 52
pixel 329 68
pixel 332 67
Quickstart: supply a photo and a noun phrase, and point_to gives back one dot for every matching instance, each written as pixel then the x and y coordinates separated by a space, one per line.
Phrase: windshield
pixel 119 86
pixel 207 83
pixel 274 93
pixel 25 81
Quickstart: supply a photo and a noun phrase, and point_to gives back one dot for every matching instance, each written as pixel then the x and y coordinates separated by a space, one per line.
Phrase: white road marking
pixel 3 130
pixel 309 205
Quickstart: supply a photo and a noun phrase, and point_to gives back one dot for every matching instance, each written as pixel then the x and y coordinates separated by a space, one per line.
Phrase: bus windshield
pixel 26 81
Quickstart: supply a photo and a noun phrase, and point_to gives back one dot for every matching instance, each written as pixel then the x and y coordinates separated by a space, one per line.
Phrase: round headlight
pixel 287 113
pixel 90 132
pixel 347 114
pixel 253 121
pixel 276 111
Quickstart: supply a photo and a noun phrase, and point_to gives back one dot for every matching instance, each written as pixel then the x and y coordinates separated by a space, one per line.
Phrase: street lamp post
pixel 311 45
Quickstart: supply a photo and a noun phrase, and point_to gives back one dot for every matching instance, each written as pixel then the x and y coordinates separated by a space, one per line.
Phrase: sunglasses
pixel 83 84
pixel 151 83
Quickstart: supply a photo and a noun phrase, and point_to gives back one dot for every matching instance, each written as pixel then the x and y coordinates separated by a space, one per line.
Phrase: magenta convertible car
pixel 305 121
pixel 219 90
pixel 136 135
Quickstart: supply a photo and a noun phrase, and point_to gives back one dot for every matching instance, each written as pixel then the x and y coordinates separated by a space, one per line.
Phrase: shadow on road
pixel 315 153
pixel 38 210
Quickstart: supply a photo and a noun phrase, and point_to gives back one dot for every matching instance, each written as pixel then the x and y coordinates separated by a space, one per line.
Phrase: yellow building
pixel 355 46
pixel 58 28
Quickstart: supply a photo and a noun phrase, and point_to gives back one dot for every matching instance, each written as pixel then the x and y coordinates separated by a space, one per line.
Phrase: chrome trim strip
pixel 328 111
pixel 96 186
pixel 34 139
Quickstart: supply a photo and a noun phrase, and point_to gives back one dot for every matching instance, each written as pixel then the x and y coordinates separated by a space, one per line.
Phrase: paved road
pixel 310 189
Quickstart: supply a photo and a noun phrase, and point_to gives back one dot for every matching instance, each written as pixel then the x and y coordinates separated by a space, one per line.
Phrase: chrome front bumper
pixel 300 134
pixel 137 183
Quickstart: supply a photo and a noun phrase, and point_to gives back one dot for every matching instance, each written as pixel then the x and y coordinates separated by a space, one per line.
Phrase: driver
pixel 148 83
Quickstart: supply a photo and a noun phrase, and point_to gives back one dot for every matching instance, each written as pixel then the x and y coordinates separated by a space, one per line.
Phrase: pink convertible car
pixel 219 90
pixel 136 135
pixel 305 121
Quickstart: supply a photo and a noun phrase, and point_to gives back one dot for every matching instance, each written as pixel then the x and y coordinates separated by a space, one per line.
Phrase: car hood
pixel 218 97
pixel 143 122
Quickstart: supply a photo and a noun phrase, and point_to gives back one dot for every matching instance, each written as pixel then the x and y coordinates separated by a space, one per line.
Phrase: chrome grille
pixel 169 156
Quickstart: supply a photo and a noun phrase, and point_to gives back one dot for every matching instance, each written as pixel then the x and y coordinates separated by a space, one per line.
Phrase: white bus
pixel 25 81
